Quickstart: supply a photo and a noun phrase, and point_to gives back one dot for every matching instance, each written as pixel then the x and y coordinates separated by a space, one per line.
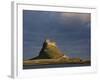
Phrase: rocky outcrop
pixel 50 51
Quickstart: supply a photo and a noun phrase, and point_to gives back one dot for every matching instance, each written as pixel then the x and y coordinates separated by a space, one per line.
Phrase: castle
pixel 50 43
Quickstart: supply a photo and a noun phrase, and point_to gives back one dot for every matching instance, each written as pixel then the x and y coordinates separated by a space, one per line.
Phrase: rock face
pixel 50 51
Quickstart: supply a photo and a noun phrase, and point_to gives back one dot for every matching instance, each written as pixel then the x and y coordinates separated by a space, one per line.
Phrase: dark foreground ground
pixel 36 66
pixel 51 63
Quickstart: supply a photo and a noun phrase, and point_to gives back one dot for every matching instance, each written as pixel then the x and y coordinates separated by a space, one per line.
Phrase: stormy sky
pixel 70 31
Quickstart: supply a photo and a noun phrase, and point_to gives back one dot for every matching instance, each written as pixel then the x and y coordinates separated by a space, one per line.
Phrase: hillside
pixel 49 51
pixel 51 54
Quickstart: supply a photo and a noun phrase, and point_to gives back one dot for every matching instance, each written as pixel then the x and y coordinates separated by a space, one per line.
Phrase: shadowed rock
pixel 50 51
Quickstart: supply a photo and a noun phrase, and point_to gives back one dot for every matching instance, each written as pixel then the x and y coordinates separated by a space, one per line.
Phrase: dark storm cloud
pixel 71 31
